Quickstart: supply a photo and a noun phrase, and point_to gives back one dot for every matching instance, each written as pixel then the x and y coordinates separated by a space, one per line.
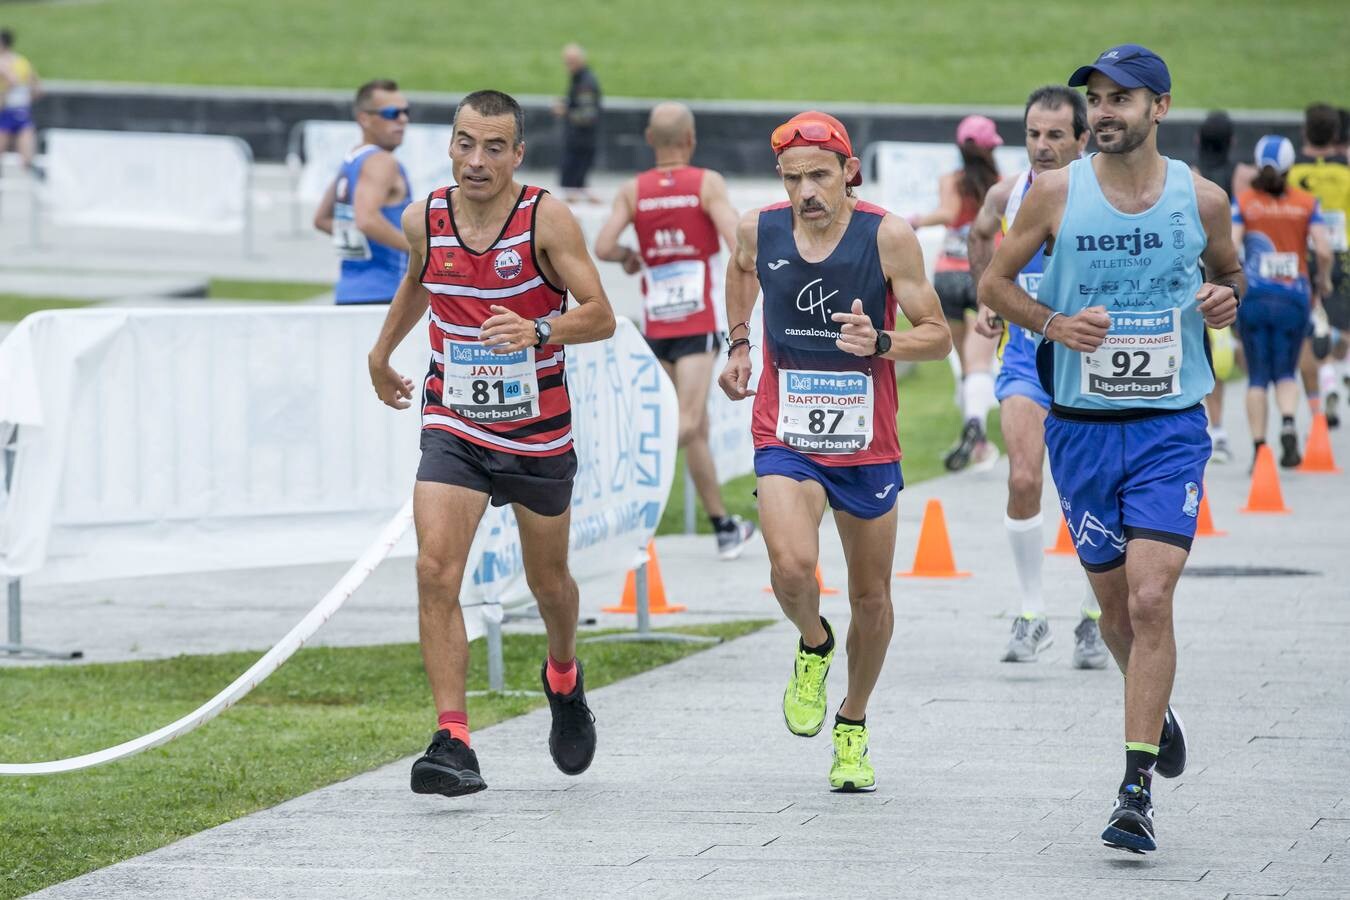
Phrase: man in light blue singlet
pixel 1123 308
pixel 363 207
pixel 1055 122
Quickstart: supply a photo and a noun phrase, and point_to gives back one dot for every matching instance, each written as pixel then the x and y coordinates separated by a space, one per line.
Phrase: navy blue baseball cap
pixel 1128 65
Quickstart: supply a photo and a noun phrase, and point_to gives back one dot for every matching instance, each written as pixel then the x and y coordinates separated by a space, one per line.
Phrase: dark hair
pixel 978 171
pixel 6 38
pixel 1270 181
pixel 495 103
pixel 1054 96
pixel 1216 133
pixel 364 92
pixel 843 165
pixel 1321 124
pixel 1345 125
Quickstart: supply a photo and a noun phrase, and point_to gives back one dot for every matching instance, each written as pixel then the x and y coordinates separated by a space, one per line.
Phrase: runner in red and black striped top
pixel 495 261
pixel 464 285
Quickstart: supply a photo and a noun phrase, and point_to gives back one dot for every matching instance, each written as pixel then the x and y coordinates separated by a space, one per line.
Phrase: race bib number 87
pixel 825 412
pixel 1140 359
pixel 483 386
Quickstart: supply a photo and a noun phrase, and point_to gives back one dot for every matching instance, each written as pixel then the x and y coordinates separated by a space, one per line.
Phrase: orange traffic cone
pixel 1064 542
pixel 656 589
pixel 820 583
pixel 1265 495
pixel 1204 526
pixel 1317 454
pixel 933 558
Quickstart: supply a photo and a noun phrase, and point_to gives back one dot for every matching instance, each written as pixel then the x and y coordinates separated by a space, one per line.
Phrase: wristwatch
pixel 883 343
pixel 542 332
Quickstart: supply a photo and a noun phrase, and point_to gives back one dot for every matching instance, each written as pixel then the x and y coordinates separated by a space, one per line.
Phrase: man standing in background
pixel 580 112
pixel 363 207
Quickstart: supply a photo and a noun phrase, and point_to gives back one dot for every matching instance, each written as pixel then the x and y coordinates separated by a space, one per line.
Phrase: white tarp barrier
pixel 319 147
pixel 173 182
pixel 154 441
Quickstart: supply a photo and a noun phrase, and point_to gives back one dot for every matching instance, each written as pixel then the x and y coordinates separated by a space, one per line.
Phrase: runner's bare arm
pixel 564 261
pixel 741 288
pixel 717 204
pixel 1216 300
pixel 980 247
pixel 607 245
pixel 949 203
pixel 1036 223
pixel 902 263
pixel 405 311
pixel 323 216
pixel 379 178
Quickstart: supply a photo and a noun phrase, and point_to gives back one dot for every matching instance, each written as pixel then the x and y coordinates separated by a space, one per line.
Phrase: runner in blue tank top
pixel 1055 122
pixel 1123 309
pixel 363 207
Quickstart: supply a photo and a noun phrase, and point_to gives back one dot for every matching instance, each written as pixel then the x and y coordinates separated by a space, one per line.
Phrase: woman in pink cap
pixel 960 195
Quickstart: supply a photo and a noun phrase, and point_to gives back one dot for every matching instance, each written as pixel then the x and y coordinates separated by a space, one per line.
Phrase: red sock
pixel 562 677
pixel 455 722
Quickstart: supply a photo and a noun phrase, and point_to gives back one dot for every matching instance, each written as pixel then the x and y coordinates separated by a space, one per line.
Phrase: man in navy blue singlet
pixel 1123 307
pixel 833 270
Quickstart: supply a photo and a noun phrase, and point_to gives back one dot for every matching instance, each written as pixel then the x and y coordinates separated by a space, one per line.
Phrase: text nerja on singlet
pixel 1133 242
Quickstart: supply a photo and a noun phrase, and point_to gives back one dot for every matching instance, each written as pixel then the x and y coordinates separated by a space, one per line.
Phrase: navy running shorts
pixel 867 492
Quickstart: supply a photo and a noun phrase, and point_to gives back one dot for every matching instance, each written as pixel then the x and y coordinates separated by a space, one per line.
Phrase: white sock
pixel 1217 433
pixel 1091 609
pixel 977 396
pixel 1028 553
pixel 1326 378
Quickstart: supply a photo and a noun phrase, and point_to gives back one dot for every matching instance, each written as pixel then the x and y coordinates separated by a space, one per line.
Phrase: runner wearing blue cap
pixel 1123 308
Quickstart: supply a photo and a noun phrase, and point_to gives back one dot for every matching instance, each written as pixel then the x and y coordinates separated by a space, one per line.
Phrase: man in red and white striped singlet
pixel 495 260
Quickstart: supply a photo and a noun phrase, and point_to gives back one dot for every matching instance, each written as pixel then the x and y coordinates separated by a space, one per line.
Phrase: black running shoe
pixel 1171 747
pixel 571 740
pixel 958 457
pixel 449 767
pixel 1289 455
pixel 1333 410
pixel 1131 824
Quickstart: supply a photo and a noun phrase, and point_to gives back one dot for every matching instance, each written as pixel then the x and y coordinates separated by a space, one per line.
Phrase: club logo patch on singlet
pixel 507 264
pixel 483 386
pixel 1139 359
pixel 825 412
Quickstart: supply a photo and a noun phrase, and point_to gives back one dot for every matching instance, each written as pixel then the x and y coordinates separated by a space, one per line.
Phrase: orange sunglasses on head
pixel 815 131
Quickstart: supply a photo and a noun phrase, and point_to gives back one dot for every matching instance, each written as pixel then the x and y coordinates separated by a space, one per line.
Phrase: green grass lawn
pixel 14 307
pixel 1243 53
pixel 929 424
pixel 328 714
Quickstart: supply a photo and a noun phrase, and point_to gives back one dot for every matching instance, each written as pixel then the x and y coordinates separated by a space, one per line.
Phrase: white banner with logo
pixel 153 441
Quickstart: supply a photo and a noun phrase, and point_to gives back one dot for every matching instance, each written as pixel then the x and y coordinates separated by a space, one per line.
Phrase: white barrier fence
pixel 155 441
pixel 134 180
pixel 317 148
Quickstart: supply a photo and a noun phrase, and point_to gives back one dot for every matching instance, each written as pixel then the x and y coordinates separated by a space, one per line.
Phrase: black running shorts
pixel 670 350
pixel 541 484
pixel 956 290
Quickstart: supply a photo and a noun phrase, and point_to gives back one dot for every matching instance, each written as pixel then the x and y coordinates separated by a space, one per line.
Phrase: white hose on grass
pixel 239 688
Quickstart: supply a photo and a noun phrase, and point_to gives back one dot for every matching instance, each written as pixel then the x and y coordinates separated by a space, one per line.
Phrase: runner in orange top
pixel 1272 222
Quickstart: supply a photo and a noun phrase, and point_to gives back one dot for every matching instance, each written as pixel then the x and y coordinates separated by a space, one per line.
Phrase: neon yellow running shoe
pixel 804 699
pixel 852 769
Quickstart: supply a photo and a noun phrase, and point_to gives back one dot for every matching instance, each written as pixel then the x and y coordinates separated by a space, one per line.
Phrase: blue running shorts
pixel 1017 376
pixel 866 492
pixel 1120 480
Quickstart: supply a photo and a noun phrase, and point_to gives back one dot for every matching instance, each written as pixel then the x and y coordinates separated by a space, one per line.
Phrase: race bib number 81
pixel 1139 359
pixel 825 412
pixel 483 386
